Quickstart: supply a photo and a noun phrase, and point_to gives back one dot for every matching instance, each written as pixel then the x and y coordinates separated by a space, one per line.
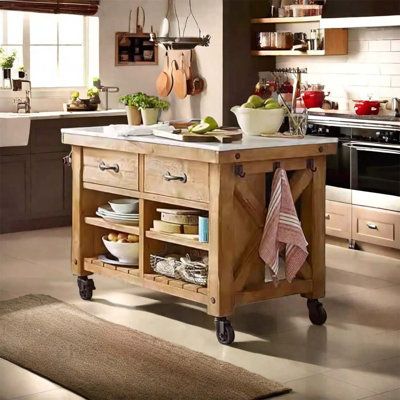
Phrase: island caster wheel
pixel 316 312
pixel 86 287
pixel 224 331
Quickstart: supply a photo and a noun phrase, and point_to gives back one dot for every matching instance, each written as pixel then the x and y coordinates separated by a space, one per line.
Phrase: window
pixel 57 50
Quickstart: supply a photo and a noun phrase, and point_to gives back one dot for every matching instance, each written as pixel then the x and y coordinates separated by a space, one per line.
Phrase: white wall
pixel 114 17
pixel 372 67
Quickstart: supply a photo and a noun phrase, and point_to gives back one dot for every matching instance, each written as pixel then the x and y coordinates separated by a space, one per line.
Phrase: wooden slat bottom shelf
pixel 176 287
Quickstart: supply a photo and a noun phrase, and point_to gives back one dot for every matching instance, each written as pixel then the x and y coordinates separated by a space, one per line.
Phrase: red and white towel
pixel 282 231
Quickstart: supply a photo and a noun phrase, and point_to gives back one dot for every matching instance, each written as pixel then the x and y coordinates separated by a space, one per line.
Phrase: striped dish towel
pixel 282 231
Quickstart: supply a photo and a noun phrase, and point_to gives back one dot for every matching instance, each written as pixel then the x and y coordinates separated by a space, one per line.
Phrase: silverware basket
pixel 178 267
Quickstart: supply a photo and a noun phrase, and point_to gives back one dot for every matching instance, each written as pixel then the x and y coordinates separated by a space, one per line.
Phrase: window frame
pixel 26 46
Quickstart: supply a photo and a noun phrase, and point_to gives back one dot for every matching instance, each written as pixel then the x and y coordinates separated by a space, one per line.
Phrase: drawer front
pixel 378 227
pixel 111 168
pixel 177 178
pixel 338 219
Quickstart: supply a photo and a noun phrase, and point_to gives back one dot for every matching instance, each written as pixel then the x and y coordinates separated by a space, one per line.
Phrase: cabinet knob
pixel 372 226
pixel 327 217
pixel 168 177
pixel 105 167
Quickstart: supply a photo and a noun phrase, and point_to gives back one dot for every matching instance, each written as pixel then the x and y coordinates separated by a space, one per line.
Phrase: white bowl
pixel 257 121
pixel 124 206
pixel 125 252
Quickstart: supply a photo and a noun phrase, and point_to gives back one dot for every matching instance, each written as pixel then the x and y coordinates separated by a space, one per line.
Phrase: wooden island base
pixel 226 180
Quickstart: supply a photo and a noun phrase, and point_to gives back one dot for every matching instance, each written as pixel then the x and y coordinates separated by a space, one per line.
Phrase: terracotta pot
pixel 133 114
pixel 313 98
pixel 150 115
pixel 367 107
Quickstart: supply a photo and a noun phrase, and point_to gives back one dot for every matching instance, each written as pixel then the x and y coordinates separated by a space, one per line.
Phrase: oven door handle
pixel 372 149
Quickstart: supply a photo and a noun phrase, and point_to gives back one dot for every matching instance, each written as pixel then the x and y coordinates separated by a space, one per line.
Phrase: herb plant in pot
pixel 6 63
pixel 131 102
pixel 150 108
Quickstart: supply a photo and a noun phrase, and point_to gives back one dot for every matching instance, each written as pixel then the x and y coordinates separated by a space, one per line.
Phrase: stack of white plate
pixel 107 213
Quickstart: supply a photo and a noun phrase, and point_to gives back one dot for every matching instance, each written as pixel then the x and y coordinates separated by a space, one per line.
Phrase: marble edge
pixel 64 114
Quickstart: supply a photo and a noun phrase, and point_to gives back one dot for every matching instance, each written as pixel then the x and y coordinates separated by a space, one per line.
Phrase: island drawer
pixel 338 219
pixel 378 227
pixel 183 179
pixel 111 168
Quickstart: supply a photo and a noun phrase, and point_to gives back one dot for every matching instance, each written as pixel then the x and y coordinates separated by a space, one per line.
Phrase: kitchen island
pixel 227 181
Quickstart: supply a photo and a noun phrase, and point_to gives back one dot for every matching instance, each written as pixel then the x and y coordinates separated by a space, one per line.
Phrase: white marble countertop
pixel 247 143
pixel 64 114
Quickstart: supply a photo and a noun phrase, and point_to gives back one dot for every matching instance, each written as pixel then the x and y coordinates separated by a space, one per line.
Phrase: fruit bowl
pixel 257 121
pixel 125 252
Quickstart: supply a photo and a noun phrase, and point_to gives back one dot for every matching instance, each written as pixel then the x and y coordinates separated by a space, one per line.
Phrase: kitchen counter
pixel 227 183
pixel 340 118
pixel 64 114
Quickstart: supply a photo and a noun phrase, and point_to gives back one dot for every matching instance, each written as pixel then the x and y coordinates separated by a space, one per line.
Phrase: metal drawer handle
pixel 327 216
pixel 104 167
pixel 168 177
pixel 372 226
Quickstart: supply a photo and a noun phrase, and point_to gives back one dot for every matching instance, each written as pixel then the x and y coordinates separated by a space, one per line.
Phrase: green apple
pixel 190 128
pixel 202 128
pixel 272 105
pixel 248 105
pixel 210 121
pixel 256 100
pixel 270 100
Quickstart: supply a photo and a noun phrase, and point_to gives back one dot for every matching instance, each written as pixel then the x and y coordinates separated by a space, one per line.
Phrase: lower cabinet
pixel 363 224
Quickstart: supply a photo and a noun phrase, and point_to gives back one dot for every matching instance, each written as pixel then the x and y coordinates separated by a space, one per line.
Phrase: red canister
pixel 367 107
pixel 313 98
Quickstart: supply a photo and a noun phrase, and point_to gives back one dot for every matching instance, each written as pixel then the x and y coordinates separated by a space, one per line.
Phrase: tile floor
pixel 356 355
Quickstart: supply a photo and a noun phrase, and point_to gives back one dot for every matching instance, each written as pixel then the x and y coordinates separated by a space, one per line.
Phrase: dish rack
pixel 185 268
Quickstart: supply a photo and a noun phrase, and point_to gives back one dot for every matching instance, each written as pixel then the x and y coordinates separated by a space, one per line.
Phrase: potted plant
pixel 21 72
pixel 6 63
pixel 93 95
pixel 132 103
pixel 150 108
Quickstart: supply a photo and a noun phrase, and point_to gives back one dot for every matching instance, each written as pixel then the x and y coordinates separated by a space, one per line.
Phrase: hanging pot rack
pixel 181 42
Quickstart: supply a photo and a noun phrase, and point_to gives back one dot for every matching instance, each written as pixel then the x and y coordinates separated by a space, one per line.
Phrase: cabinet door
pixel 338 219
pixel 48 184
pixel 14 187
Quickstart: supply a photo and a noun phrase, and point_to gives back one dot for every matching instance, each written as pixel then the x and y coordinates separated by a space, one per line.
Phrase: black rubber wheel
pixel 224 331
pixel 86 287
pixel 316 312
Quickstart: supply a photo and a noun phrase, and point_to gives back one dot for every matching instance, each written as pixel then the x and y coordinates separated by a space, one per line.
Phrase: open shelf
pixel 288 53
pixel 286 20
pixel 99 267
pixel 177 239
pixel 100 222
pixel 176 287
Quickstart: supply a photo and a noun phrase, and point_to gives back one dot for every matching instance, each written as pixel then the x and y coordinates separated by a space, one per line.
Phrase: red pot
pixel 367 107
pixel 313 98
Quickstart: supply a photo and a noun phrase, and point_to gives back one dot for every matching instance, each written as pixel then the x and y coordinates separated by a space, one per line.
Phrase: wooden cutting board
pixel 218 135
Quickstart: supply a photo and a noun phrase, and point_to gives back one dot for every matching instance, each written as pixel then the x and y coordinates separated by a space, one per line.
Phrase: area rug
pixel 100 360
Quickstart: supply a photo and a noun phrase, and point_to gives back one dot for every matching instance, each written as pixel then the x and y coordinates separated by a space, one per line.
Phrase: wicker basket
pixel 192 271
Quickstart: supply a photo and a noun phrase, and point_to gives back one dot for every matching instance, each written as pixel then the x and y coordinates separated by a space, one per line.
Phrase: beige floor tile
pixel 376 376
pixel 363 263
pixel 321 387
pixel 392 395
pixel 58 394
pixel 17 382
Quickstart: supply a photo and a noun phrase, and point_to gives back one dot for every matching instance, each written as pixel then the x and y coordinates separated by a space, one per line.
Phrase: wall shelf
pixel 286 20
pixel 100 222
pixel 288 53
pixel 177 239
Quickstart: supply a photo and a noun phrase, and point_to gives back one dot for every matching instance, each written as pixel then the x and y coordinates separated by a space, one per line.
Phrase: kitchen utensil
pixel 254 122
pixel 124 206
pixel 125 252
pixel 164 81
pixel 313 98
pixel 195 84
pixel 140 28
pixel 164 29
pixel 179 76
pixel 367 107
pixel 217 135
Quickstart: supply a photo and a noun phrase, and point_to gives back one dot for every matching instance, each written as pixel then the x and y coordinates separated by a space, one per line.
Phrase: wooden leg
pixel 221 238
pixel 313 223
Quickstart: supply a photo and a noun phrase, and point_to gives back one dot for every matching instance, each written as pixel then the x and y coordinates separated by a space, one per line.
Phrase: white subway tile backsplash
pixel 371 68
pixel 395 45
pixel 379 45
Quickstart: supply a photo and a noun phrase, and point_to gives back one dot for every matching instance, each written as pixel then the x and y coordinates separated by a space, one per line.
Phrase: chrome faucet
pixel 106 90
pixel 23 104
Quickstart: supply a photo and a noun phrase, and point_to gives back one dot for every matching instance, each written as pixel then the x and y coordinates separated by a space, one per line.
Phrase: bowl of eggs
pixel 123 246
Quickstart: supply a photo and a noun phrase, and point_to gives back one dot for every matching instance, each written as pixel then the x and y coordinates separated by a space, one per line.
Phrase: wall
pixel 372 67
pixel 114 17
